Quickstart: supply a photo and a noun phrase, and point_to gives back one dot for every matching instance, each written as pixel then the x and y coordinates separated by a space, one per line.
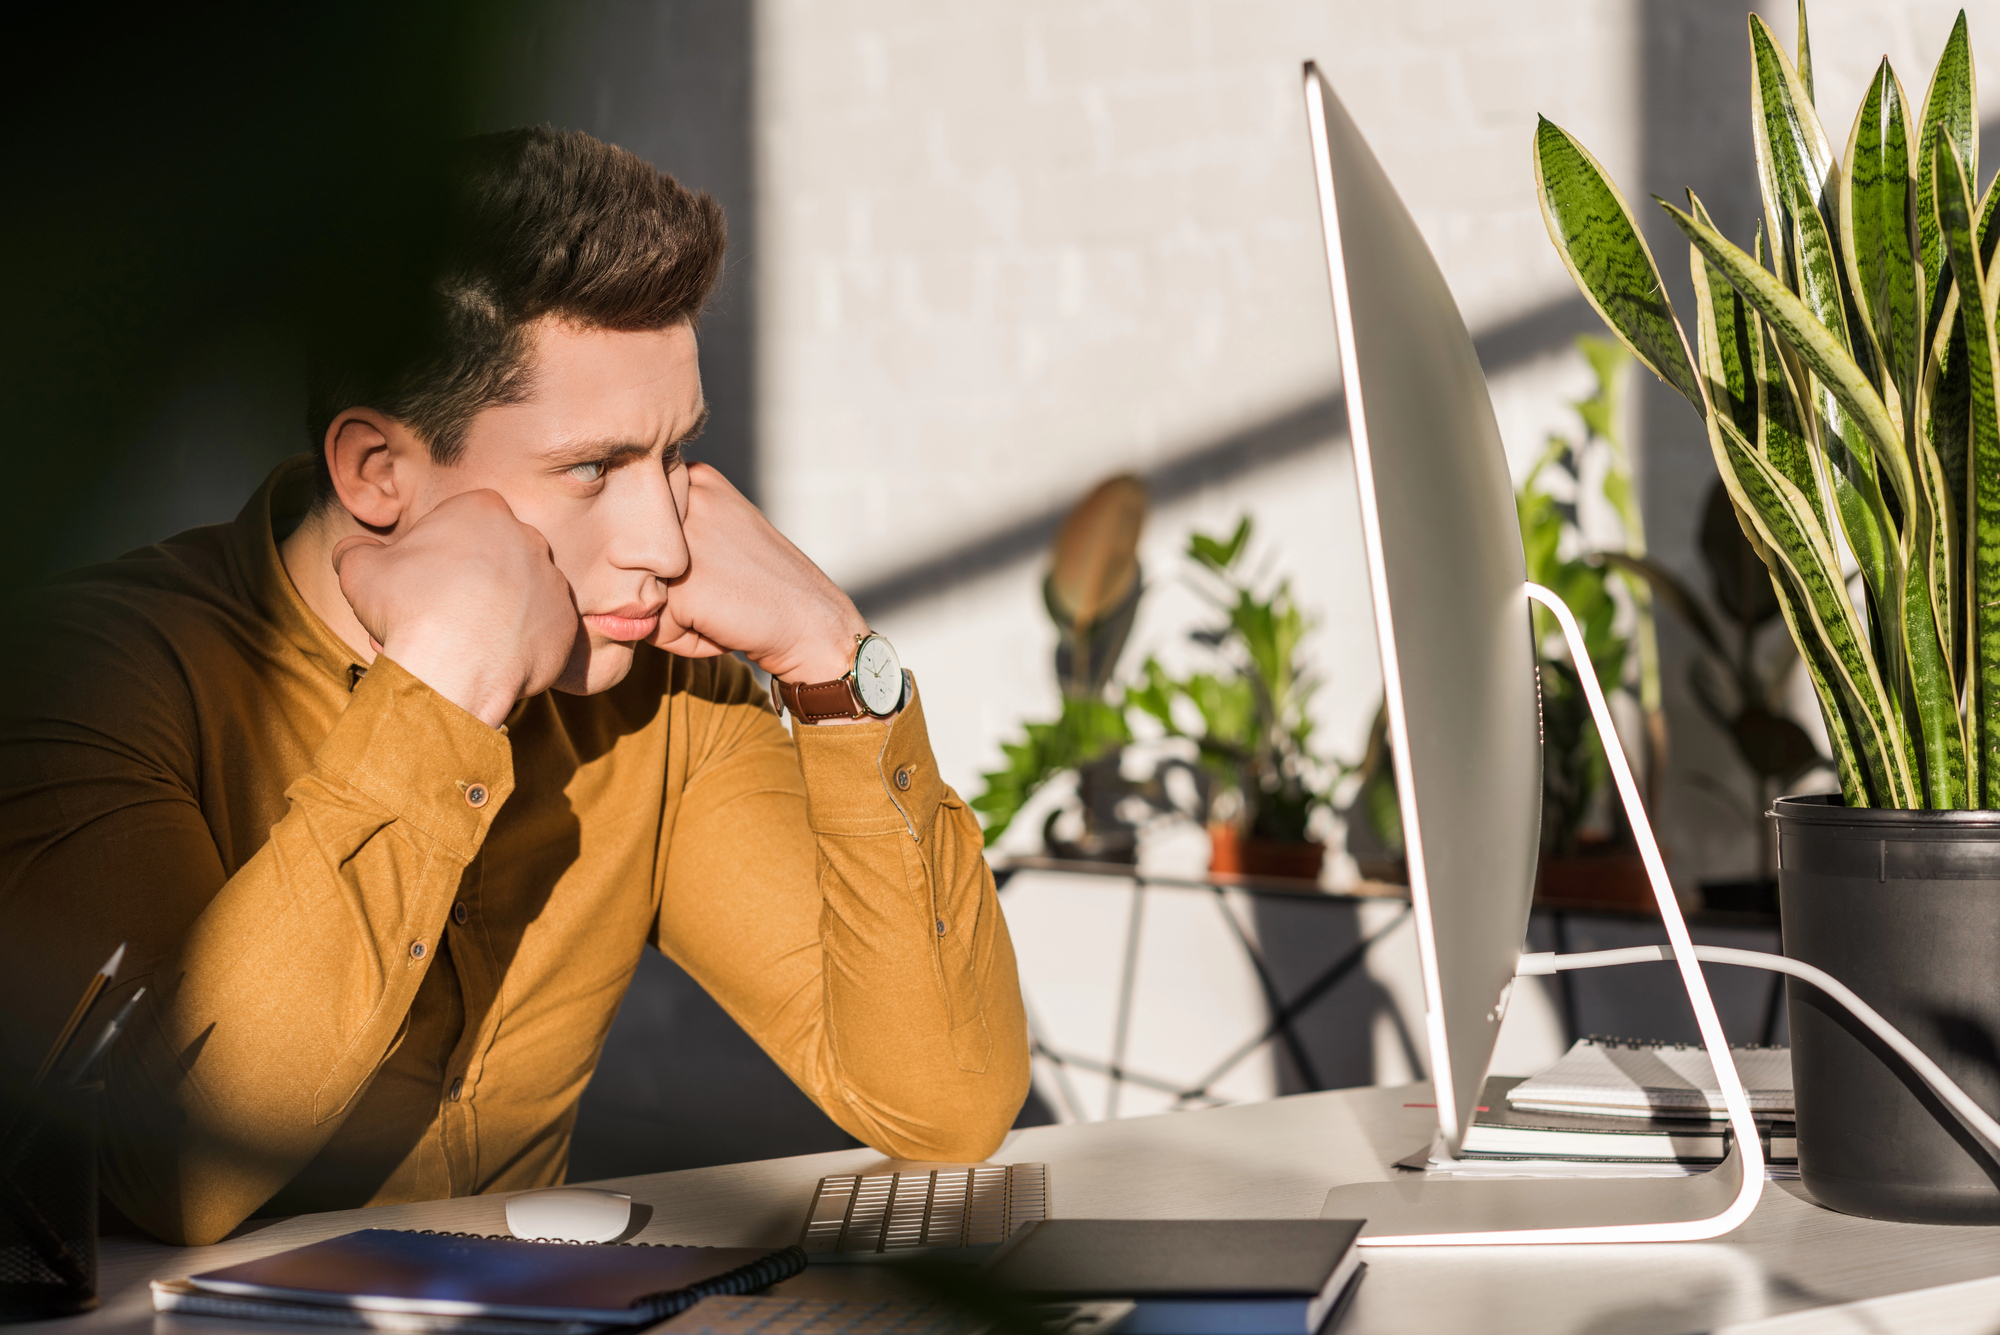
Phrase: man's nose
pixel 646 533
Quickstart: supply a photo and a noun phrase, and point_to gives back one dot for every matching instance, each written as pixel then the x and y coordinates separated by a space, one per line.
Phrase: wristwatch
pixel 872 687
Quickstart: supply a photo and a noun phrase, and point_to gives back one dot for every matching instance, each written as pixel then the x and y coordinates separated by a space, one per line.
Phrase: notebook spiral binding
pixel 779 1265
pixel 1638 1044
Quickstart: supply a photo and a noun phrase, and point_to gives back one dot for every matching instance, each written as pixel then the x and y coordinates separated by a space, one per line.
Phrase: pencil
pixel 91 992
pixel 112 1028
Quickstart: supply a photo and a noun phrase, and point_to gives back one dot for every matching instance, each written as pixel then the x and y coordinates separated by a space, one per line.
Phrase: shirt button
pixel 459 914
pixel 903 778
pixel 475 795
pixel 457 1088
pixel 940 926
pixel 416 950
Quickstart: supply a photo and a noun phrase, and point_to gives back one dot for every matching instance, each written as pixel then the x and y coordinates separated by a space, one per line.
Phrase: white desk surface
pixel 1270 1160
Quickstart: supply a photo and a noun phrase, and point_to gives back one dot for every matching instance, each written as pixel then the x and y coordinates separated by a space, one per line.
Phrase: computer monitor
pixel 1450 590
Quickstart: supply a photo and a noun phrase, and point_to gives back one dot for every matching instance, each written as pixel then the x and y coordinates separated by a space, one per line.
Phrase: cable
pixel 1975 1118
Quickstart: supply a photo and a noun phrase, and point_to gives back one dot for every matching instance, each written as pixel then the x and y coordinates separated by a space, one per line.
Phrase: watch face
pixel 878 676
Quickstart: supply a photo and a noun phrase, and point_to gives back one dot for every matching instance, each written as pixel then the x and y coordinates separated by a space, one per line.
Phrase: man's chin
pixel 595 668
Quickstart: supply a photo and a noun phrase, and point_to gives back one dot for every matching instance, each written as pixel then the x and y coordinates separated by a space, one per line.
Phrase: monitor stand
pixel 1447 1211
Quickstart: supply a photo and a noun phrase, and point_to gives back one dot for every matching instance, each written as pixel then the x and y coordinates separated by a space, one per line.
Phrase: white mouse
pixel 569 1214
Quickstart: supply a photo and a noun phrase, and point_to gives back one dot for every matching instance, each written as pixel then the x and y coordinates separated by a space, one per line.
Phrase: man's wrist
pixel 829 656
pixel 478 692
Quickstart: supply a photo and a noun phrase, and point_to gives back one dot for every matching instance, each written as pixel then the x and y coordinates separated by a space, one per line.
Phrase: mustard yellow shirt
pixel 383 942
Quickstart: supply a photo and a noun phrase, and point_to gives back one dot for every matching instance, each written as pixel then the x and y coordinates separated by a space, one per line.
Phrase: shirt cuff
pixel 439 769
pixel 871 777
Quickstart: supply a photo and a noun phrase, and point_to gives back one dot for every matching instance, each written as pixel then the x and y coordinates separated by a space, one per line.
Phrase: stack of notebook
pixel 1616 1101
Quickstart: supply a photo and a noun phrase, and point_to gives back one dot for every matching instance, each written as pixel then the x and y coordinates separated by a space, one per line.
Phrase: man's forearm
pixel 297 976
pixel 926 1031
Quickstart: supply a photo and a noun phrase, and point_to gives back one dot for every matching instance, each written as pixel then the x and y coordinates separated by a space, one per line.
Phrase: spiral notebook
pixel 416 1281
pixel 1617 1077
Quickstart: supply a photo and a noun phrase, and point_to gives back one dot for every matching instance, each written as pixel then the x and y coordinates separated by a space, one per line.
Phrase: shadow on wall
pixel 680 1085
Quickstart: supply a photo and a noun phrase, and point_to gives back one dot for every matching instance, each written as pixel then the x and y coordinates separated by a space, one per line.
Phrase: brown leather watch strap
pixel 818 700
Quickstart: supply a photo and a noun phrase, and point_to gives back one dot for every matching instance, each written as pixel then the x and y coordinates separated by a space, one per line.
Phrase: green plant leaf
pixel 1599 241
pixel 1796 327
pixel 1975 311
pixel 1787 530
pixel 1834 704
pixel 1794 159
pixel 1725 333
pixel 1927 640
pixel 1805 55
pixel 1876 211
pixel 1948 117
pixel 1086 730
pixel 1218 554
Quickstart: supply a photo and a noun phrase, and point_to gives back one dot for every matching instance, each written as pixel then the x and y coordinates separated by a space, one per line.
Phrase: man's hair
pixel 538 222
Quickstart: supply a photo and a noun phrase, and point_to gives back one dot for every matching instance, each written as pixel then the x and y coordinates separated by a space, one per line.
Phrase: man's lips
pixel 627 623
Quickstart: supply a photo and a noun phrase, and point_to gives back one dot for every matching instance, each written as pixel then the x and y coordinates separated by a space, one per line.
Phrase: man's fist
pixel 467 600
pixel 748 588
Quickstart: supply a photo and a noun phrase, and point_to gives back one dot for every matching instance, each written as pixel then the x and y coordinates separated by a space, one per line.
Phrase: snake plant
pixel 1844 367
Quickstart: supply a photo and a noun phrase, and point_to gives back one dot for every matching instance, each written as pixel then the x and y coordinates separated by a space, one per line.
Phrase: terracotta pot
pixel 1235 853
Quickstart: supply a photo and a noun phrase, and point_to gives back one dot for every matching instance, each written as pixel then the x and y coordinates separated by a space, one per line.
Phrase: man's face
pixel 593 461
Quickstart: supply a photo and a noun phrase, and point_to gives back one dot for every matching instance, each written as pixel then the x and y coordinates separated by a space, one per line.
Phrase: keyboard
pixel 839 1316
pixel 881 1215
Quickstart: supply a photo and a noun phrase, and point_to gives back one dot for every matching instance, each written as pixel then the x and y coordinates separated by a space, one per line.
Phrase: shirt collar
pixel 284 498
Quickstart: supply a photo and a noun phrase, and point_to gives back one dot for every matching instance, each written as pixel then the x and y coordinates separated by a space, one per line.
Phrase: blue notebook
pixel 462 1275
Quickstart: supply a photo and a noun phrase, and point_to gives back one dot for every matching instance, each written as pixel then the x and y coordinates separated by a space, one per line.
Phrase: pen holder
pixel 48 1205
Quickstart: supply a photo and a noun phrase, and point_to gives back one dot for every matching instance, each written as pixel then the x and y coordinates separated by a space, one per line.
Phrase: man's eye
pixel 591 472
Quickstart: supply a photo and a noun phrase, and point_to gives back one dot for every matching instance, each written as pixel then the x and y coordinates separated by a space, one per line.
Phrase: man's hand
pixel 748 588
pixel 467 600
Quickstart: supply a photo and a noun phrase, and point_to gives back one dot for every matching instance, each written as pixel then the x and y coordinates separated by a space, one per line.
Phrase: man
pixel 389 781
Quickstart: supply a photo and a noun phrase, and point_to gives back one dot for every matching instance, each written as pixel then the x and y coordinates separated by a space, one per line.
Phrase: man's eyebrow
pixel 688 436
pixel 610 451
pixel 592 451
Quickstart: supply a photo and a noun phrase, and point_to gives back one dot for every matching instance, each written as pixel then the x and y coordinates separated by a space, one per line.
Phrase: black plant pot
pixel 1904 908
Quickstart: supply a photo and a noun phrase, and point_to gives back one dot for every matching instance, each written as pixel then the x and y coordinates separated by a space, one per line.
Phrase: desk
pixel 1271 1159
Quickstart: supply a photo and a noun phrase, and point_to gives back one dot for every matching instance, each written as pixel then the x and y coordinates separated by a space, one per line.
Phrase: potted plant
pixel 1254 738
pixel 1843 367
pixel 1092 593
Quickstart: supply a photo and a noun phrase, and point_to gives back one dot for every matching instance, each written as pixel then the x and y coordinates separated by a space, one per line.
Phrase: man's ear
pixel 367 454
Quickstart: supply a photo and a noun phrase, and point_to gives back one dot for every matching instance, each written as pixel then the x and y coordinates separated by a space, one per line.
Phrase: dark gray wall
pixel 671 80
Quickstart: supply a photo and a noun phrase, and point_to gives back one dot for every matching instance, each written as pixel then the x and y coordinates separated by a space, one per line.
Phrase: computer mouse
pixel 569 1214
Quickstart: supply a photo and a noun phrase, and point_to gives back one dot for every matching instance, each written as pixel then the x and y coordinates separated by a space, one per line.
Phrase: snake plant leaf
pixel 1857 486
pixel 1801 332
pixel 1793 154
pixel 1786 527
pixel 1982 536
pixel 1598 238
pixel 1805 56
pixel 1948 117
pixel 1725 337
pixel 1833 702
pixel 1876 209
pixel 1927 640
pixel 1781 423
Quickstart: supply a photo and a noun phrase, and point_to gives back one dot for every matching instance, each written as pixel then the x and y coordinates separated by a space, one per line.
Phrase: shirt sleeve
pixel 272 994
pixel 830 892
